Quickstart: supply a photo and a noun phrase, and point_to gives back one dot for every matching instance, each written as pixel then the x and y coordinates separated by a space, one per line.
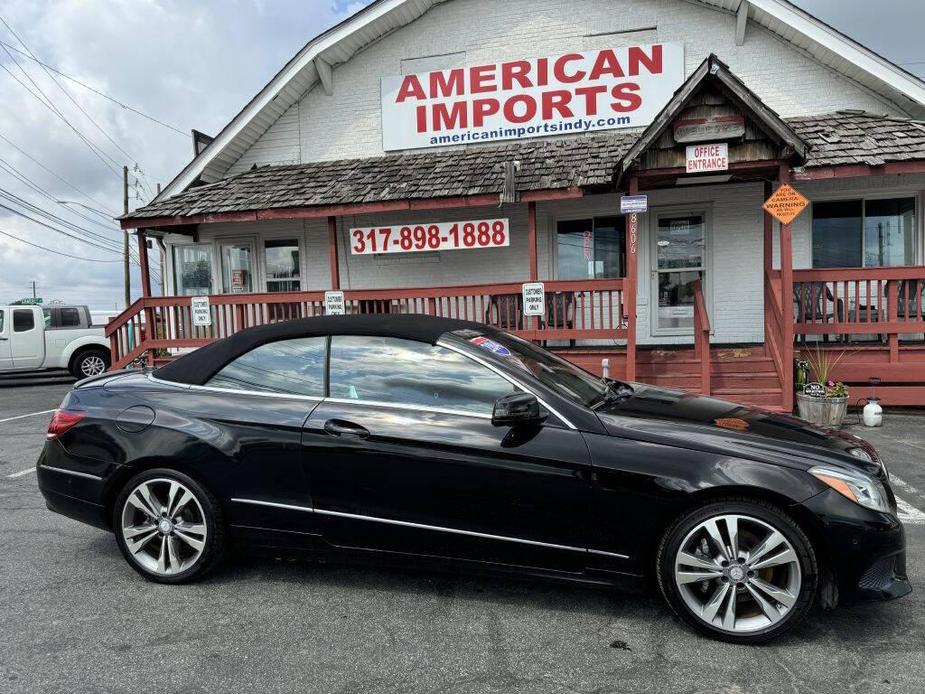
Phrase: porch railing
pixel 885 304
pixel 575 310
pixel 702 338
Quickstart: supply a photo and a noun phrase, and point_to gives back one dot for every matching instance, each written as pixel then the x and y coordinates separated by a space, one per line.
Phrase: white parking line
pixel 23 416
pixel 908 513
pixel 22 472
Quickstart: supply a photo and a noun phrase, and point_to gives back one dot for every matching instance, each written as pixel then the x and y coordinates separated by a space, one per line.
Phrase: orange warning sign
pixel 786 204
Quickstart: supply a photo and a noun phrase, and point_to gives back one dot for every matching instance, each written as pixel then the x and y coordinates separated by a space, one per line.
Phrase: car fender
pixel 79 343
pixel 640 487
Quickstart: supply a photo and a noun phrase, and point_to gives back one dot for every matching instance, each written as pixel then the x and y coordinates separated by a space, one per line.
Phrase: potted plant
pixel 824 401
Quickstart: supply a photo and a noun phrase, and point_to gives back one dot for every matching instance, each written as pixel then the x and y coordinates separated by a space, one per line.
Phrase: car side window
pixel 23 321
pixel 70 318
pixel 406 372
pixel 1 321
pixel 291 367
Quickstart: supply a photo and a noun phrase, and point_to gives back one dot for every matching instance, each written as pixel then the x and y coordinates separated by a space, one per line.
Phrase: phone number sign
pixel 439 236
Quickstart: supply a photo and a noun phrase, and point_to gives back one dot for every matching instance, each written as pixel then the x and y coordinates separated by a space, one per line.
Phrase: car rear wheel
pixel 739 570
pixel 169 527
pixel 90 362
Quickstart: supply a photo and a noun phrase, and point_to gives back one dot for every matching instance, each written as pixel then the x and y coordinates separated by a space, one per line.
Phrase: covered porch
pixel 704 291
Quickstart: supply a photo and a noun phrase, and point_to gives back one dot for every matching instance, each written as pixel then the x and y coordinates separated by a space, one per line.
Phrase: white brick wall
pixel 788 81
pixel 347 124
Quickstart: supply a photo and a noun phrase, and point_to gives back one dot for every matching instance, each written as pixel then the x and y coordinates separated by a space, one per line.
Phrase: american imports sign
pixel 571 93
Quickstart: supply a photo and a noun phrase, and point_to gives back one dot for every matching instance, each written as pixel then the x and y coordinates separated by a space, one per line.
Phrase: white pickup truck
pixel 52 337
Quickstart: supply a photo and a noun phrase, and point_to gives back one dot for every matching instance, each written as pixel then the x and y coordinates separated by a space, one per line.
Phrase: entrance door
pixel 678 261
pixel 238 258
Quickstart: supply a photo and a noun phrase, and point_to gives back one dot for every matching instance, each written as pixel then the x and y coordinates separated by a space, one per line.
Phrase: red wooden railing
pixel 882 302
pixel 702 338
pixel 575 310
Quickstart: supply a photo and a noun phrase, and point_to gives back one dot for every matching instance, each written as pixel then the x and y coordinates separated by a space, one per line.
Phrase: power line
pixel 47 103
pixel 52 250
pixel 185 134
pixel 56 229
pixel 70 97
pixel 63 180
pixel 22 178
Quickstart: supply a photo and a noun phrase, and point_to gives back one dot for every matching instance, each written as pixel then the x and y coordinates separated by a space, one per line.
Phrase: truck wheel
pixel 90 362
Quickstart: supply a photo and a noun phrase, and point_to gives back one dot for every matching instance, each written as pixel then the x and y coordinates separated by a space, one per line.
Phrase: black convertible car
pixel 437 441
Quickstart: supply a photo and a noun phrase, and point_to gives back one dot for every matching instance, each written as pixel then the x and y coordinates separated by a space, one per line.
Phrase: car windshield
pixel 553 372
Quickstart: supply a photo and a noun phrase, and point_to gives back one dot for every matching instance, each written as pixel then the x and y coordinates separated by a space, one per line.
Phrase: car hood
pixel 694 421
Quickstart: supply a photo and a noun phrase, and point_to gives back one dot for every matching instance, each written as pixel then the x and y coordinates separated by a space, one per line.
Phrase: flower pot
pixel 825 412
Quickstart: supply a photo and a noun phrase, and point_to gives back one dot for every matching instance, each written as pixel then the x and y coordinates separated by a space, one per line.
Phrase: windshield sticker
pixel 491 346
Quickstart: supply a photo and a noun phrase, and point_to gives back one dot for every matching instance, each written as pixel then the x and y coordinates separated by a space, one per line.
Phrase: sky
pixel 188 64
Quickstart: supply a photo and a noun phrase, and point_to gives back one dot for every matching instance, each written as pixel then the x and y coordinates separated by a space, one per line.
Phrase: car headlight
pixel 864 455
pixel 856 486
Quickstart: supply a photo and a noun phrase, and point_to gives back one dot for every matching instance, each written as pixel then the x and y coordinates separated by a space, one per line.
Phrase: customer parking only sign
pixel 571 93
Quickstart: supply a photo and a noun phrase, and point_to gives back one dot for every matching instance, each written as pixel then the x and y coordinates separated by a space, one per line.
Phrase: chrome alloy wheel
pixel 737 573
pixel 163 526
pixel 92 365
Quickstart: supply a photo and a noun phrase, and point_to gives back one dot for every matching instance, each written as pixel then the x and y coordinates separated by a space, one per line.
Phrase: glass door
pixel 678 262
pixel 238 267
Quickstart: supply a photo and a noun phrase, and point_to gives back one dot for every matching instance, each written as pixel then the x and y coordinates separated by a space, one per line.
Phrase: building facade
pixel 540 116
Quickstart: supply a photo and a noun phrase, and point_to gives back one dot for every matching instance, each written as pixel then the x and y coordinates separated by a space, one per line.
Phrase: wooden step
pixel 738 381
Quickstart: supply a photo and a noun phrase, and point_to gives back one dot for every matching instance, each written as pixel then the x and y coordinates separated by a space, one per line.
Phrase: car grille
pixel 882 572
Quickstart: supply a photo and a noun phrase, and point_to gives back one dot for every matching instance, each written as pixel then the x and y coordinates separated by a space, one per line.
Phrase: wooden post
pixel 150 326
pixel 531 233
pixel 768 232
pixel 786 302
pixel 892 294
pixel 630 283
pixel 143 261
pixel 332 253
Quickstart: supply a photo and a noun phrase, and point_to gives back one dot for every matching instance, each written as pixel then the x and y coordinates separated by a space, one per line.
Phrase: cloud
pixel 192 65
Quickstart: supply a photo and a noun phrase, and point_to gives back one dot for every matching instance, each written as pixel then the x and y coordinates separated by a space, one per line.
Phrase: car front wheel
pixel 168 526
pixel 739 570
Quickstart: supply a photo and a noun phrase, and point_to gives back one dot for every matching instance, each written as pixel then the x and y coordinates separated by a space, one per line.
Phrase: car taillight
pixel 62 420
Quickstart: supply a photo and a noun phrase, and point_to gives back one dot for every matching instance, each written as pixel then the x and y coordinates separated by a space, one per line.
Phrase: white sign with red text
pixel 713 157
pixel 437 236
pixel 572 93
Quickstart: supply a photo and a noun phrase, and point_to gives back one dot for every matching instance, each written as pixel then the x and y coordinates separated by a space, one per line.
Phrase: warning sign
pixel 786 204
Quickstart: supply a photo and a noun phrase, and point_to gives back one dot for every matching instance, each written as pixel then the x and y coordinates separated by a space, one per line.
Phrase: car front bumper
pixel 865 549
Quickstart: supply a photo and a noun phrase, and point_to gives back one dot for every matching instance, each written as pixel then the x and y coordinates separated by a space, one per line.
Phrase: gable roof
pixel 715 70
pixel 312 65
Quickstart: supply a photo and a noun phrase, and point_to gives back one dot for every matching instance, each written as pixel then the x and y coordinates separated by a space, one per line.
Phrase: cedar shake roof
pixel 857 137
pixel 586 161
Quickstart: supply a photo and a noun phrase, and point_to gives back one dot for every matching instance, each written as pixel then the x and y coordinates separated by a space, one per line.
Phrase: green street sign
pixel 30 301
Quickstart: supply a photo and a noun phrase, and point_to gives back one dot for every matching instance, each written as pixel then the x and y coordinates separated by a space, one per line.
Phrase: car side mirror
pixel 516 408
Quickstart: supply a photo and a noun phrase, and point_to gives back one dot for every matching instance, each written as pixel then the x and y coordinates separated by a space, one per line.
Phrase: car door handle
pixel 338 427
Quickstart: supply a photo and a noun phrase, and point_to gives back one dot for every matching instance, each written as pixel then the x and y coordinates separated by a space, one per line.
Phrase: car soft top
pixel 196 368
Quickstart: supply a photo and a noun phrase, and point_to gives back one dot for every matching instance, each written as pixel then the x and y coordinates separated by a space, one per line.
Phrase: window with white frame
pixel 876 232
pixel 281 258
pixel 591 248
pixel 192 265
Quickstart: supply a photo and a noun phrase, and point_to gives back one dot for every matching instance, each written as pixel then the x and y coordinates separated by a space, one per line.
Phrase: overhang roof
pixel 715 71
pixel 340 43
pixel 587 162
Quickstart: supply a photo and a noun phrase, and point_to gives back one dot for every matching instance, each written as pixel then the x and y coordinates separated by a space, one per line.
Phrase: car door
pixel 402 456
pixel 28 338
pixel 6 355
pixel 253 411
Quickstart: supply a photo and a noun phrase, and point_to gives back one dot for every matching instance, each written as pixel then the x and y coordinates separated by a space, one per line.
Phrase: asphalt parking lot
pixel 76 618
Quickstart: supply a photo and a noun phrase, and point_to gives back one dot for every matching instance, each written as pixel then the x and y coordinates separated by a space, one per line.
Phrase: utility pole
pixel 33 290
pixel 126 268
